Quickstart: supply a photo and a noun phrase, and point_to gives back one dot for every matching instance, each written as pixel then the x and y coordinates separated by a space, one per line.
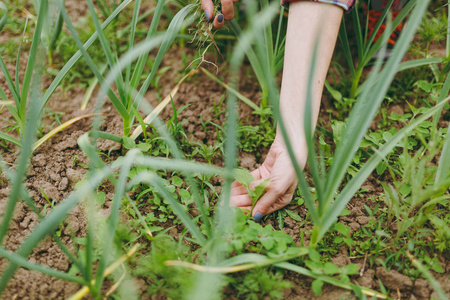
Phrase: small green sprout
pixel 245 178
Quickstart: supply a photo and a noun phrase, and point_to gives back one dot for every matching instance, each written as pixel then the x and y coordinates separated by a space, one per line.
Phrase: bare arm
pixel 308 21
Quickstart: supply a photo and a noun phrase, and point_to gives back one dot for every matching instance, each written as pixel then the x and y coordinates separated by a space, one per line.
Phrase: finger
pixel 273 200
pixel 218 21
pixel 236 184
pixel 208 8
pixel 279 204
pixel 227 9
pixel 255 183
pixel 241 201
pixel 249 208
pixel 256 174
pixel 263 205
pixel 239 190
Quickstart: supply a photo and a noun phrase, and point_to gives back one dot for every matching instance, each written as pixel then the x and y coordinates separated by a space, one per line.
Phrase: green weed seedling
pixel 245 178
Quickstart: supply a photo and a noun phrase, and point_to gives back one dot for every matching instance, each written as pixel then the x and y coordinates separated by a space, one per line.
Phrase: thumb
pixel 262 207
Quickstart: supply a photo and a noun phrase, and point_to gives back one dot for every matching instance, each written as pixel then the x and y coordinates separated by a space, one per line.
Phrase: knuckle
pixel 278 191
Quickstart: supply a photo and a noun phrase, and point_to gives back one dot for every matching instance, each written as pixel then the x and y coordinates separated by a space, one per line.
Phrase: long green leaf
pixel 10 139
pixel 107 50
pixel 357 181
pixel 153 179
pixel 427 274
pixel 29 136
pixel 169 37
pixel 23 262
pixel 10 82
pixel 72 61
pixel 343 37
pixel 52 221
pixel 4 18
pixel 127 59
pixel 112 96
pixel 367 105
pixel 150 34
pixel 381 41
pixel 133 25
pixel 113 219
pixel 42 15
pixel 377 26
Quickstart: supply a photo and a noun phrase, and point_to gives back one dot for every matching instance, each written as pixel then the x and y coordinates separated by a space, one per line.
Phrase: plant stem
pixel 355 82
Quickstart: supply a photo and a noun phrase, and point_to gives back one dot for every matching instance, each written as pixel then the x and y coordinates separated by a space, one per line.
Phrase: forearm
pixel 308 23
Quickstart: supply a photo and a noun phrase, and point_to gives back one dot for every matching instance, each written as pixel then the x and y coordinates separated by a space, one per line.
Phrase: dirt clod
pixel 367 279
pixel 393 279
pixel 422 288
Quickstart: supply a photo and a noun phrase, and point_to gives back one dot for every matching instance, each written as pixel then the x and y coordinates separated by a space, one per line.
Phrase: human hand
pixel 226 15
pixel 278 168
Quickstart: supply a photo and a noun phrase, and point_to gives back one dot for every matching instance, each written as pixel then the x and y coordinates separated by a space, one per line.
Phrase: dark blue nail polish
pixel 220 18
pixel 257 217
pixel 207 15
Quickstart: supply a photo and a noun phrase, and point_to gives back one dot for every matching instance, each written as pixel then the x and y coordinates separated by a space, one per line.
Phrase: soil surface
pixel 59 164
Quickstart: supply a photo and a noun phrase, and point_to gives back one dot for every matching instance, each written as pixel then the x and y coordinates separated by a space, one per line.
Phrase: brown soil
pixel 59 164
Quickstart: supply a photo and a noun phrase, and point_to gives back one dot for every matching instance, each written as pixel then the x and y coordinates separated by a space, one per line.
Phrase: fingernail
pixel 207 15
pixel 220 18
pixel 257 217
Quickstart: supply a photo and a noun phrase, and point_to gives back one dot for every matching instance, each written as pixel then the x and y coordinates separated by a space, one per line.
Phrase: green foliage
pixel 245 178
pixel 168 281
pixel 259 283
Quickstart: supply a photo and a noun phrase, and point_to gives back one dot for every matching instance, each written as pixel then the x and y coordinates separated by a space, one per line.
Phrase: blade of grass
pixel 134 20
pixel 415 63
pixel 122 63
pixel 433 282
pixel 377 26
pixel 150 34
pixel 107 50
pixel 231 90
pixel 309 133
pixel 330 280
pixel 32 57
pixel 153 179
pixel 24 156
pixel 10 82
pixel 363 112
pixel 169 37
pixel 4 18
pixel 448 30
pixel 343 37
pixel 395 23
pixel 85 290
pixel 113 219
pixel 357 181
pixel 358 33
pixel 18 59
pixel 23 262
pixel 55 33
pixel 72 61
pixel 91 88
pixel 52 221
pixel 157 110
pixel 58 129
pixel 112 96
pixel 33 118
pixel 237 263
pixel 10 139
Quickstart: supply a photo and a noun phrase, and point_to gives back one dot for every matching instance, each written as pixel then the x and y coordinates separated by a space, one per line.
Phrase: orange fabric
pixel 374 16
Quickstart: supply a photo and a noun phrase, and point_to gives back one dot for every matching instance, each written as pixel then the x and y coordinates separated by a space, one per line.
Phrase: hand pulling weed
pixel 245 178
